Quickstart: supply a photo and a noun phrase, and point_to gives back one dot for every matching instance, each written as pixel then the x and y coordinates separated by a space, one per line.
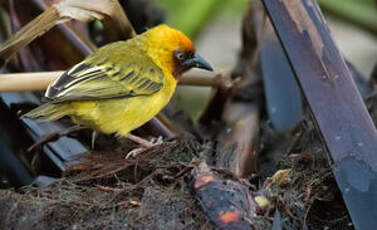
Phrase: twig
pixel 16 82
pixel 194 162
pixel 215 80
pixel 108 189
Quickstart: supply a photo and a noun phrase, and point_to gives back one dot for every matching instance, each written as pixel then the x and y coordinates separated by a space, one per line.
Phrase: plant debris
pixel 155 189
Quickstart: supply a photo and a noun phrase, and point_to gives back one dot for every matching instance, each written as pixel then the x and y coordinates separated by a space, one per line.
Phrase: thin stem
pixel 16 82
pixel 38 81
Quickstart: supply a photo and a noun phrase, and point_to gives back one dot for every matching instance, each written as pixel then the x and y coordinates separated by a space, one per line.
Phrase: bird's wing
pixel 127 75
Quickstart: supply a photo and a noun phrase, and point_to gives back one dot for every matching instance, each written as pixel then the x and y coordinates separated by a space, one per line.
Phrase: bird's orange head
pixel 172 50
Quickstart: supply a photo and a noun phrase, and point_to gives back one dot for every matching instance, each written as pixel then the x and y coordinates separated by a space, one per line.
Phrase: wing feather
pixel 126 77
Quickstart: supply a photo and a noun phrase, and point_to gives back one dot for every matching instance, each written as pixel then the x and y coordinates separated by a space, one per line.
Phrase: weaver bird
pixel 122 85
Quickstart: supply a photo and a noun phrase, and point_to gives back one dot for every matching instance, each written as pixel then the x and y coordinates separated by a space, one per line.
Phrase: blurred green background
pixel 191 15
pixel 217 23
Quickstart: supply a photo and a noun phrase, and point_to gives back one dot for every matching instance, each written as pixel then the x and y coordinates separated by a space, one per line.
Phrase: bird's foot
pixel 133 153
pixel 157 141
pixel 145 145
pixel 93 141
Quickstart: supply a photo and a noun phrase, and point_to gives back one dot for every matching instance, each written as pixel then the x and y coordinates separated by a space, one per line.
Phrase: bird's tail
pixel 48 112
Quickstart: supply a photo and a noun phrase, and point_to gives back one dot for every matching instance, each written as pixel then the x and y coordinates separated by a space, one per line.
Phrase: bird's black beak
pixel 197 62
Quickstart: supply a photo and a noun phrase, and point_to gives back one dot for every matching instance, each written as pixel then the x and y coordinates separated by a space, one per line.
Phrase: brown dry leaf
pixel 64 11
pixel 281 178
pixel 262 201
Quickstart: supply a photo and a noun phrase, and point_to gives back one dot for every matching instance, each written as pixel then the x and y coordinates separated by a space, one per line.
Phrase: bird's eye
pixel 180 56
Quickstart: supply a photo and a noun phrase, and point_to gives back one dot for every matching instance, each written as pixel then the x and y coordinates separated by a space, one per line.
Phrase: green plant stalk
pixel 194 15
pixel 362 15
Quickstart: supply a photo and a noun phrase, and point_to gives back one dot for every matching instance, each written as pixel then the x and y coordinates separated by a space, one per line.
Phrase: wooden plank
pixel 337 106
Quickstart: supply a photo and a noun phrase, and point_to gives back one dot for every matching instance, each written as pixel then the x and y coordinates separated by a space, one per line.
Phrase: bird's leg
pixel 94 137
pixel 139 140
pixel 54 136
pixel 144 143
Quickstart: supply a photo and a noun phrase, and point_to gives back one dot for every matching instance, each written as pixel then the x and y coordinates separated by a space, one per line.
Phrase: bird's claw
pixel 154 142
pixel 133 153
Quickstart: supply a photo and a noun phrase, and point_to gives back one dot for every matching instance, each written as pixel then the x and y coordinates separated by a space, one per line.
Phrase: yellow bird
pixel 122 85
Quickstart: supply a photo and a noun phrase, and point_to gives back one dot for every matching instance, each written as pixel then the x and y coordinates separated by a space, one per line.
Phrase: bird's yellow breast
pixel 125 114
